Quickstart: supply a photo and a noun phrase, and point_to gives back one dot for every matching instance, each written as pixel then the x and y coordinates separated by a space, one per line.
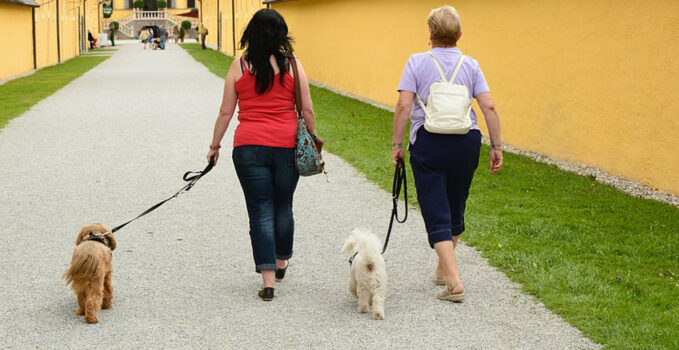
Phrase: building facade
pixel 44 32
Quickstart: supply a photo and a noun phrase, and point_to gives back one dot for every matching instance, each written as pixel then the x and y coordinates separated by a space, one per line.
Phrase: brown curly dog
pixel 91 268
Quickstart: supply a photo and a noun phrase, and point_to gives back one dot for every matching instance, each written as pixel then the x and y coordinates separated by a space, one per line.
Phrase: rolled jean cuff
pixel 458 229
pixel 439 236
pixel 284 257
pixel 265 267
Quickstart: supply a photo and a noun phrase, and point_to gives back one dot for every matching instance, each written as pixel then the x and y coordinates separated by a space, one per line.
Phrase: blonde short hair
pixel 445 25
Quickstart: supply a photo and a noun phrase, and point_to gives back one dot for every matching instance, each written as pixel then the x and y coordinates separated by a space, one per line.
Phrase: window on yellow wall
pixel 191 3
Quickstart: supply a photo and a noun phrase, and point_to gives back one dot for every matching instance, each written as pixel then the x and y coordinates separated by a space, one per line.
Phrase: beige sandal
pixel 447 294
pixel 437 281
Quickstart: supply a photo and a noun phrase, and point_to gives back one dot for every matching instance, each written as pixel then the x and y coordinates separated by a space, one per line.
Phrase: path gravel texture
pixel 117 140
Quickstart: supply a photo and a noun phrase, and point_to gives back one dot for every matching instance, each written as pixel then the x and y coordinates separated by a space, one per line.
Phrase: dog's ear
pixel 349 244
pixel 81 235
pixel 111 241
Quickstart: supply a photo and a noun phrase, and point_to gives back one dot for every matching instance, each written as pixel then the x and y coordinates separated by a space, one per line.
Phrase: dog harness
pixel 351 260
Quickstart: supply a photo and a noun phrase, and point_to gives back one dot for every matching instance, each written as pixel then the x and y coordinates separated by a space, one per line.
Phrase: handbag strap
pixel 298 89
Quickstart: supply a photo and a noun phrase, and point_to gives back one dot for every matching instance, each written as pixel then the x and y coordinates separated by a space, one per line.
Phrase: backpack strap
pixel 457 69
pixel 438 66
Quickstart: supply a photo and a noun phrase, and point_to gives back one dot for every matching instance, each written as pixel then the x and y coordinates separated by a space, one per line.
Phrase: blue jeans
pixel 268 178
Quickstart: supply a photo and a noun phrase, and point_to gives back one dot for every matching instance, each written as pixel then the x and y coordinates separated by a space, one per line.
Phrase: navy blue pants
pixel 443 168
pixel 268 177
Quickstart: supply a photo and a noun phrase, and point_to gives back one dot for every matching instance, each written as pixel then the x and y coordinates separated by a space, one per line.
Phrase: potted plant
pixel 139 4
pixel 161 5
pixel 181 34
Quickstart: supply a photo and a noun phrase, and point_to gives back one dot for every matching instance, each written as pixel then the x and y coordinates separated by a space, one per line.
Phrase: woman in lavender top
pixel 443 164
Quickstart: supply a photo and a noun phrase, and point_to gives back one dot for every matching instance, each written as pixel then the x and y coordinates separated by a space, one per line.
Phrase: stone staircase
pixel 130 25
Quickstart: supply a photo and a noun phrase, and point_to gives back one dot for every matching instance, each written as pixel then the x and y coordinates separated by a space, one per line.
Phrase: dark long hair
pixel 266 35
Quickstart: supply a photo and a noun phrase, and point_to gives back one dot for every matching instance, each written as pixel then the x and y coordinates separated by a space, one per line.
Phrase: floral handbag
pixel 307 145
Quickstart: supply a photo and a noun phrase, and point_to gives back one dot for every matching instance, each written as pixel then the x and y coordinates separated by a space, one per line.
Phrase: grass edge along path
pixel 19 95
pixel 606 262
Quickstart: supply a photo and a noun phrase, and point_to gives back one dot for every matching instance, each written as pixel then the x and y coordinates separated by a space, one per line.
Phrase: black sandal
pixel 266 293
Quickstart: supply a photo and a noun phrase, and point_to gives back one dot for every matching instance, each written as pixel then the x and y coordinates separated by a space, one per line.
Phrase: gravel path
pixel 117 140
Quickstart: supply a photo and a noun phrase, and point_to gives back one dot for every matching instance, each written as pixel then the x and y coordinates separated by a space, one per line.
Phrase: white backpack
pixel 448 105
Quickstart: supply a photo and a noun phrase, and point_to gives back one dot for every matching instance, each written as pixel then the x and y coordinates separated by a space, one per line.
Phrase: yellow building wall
pixel 588 81
pixel 15 22
pixel 46 32
pixel 117 14
pixel 118 5
pixel 52 44
pixel 243 11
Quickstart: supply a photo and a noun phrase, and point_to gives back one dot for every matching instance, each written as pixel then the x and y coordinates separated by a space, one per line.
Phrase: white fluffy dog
pixel 368 276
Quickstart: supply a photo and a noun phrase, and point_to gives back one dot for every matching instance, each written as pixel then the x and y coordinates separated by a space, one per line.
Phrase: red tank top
pixel 268 119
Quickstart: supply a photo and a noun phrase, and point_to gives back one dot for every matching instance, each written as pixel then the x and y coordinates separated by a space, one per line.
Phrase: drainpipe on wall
pixel 233 24
pixel 80 47
pixel 82 32
pixel 35 58
pixel 219 28
pixel 58 35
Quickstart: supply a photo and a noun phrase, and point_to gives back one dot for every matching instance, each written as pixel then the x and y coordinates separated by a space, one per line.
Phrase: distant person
pixel 144 37
pixel 175 34
pixel 161 37
pixel 91 39
pixel 261 84
pixel 203 33
pixel 151 39
pixel 443 164
pixel 112 33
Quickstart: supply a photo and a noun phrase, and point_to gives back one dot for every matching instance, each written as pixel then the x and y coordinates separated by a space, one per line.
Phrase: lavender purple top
pixel 420 72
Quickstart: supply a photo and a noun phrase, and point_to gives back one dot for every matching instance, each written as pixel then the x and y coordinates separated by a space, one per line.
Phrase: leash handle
pixel 400 182
pixel 190 176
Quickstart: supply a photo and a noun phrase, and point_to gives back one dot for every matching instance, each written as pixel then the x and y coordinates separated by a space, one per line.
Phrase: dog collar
pixel 351 260
pixel 96 238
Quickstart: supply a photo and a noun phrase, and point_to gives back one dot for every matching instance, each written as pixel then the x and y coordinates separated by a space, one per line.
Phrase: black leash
pixel 399 182
pixel 190 176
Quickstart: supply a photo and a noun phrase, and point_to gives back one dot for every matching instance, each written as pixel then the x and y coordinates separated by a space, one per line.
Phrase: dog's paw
pixel 378 314
pixel 107 305
pixel 80 312
pixel 363 309
pixel 91 320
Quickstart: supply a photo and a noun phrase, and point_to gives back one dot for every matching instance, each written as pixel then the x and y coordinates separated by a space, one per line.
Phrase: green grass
pixel 18 95
pixel 103 49
pixel 608 263
pixel 217 62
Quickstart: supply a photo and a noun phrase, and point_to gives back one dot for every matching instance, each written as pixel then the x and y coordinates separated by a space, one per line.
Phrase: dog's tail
pixel 83 268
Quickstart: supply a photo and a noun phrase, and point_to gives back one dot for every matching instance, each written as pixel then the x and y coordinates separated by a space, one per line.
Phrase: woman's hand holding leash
pixel 213 154
pixel 396 153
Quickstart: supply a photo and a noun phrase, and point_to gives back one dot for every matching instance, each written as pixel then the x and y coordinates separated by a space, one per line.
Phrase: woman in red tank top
pixel 262 86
